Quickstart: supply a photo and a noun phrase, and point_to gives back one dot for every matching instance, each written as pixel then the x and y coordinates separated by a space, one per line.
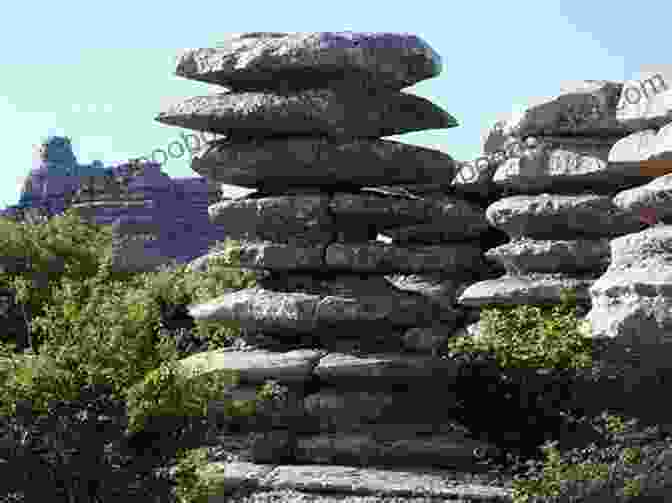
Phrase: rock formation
pixel 580 186
pixel 146 208
pixel 372 253
pixel 375 252
pixel 362 241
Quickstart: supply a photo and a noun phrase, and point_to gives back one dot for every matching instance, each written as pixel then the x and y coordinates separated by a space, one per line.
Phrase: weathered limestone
pixel 306 135
pixel 310 111
pixel 632 301
pixel 276 164
pixel 280 61
pixel 561 216
pixel 557 167
pixel 526 255
pixel 585 107
pixel 646 102
pixel 534 289
pixel 358 485
pixel 656 196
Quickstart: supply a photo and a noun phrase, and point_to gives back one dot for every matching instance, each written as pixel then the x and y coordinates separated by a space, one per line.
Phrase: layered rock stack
pixel 555 202
pixel 632 301
pixel 574 183
pixel 345 320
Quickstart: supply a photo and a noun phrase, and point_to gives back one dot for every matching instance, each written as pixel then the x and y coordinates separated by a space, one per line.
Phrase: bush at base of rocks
pixel 117 319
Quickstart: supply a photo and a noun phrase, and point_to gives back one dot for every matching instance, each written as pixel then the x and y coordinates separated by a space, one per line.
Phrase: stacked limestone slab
pixel 337 317
pixel 573 178
pixel 632 301
pixel 556 182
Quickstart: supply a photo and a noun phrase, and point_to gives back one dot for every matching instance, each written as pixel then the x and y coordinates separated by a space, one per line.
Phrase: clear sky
pixel 100 72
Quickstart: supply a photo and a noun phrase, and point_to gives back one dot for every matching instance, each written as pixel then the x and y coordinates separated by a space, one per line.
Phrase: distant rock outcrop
pixel 128 197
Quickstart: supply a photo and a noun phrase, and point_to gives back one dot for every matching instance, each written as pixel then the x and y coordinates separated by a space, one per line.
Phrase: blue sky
pixel 100 72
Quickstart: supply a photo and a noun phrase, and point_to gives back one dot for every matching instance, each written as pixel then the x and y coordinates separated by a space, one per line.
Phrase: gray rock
pixel 281 256
pixel 440 287
pixel 633 320
pixel 552 256
pixel 472 330
pixel 586 107
pixel 261 309
pixel 535 289
pixel 346 409
pixel 475 177
pixel 346 308
pixel 279 163
pixel 633 148
pixel 361 485
pixel 662 146
pixel 646 102
pixel 655 195
pixel 427 339
pixel 550 216
pixel 652 281
pixel 276 61
pixel 278 219
pixel 318 112
pixel 257 366
pixel 396 448
pixel 437 232
pixel 376 371
pixel 563 170
pixel 382 258
pixel 651 246
pixel 410 191
pixel 632 301
pixel 432 217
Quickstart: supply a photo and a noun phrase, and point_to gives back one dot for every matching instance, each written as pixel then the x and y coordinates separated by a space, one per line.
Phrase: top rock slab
pixel 582 108
pixel 290 61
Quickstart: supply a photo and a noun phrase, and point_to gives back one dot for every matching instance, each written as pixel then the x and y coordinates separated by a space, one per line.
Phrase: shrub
pixel 192 486
pixel 95 327
pixel 531 336
pixel 635 464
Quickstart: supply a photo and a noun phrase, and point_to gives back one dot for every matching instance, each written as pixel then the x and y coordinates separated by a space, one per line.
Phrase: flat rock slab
pixel 551 216
pixel 552 256
pixel 475 177
pixel 442 215
pixel 387 258
pixel 346 310
pixel 318 112
pixel 258 365
pixel 340 369
pixel 585 107
pixel 655 196
pixel 280 163
pixel 277 61
pixel 534 289
pixel 662 146
pixel 652 281
pixel 277 219
pixel 633 320
pixel 295 255
pixel 395 449
pixel 338 410
pixel 565 171
pixel 646 102
pixel 633 148
pixel 652 245
pixel 440 287
pixel 321 480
